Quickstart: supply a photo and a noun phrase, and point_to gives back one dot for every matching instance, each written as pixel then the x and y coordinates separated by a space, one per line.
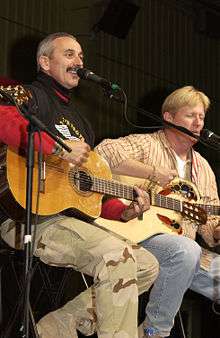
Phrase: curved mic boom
pixel 87 74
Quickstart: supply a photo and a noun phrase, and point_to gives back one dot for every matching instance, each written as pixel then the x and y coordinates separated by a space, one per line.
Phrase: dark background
pixel 148 47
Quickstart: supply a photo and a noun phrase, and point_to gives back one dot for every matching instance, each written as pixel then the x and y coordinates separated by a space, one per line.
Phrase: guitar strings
pixel 113 186
pixel 117 189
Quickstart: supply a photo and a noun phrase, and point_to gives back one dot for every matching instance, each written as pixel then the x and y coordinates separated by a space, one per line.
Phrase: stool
pixel 48 297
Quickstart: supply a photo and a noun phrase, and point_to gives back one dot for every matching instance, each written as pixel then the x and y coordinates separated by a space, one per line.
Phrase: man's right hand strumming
pixel 163 176
pixel 78 155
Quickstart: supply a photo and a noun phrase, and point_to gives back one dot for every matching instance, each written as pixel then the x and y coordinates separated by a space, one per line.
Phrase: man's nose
pixel 78 61
pixel 198 122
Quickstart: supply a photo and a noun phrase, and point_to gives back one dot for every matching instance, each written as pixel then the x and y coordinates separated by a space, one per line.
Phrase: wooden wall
pixel 169 45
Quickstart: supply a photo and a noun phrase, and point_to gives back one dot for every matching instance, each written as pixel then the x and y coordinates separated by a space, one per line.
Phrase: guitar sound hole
pixel 82 180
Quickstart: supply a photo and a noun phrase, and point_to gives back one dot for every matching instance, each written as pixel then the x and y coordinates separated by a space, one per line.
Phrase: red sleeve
pixel 112 209
pixel 13 131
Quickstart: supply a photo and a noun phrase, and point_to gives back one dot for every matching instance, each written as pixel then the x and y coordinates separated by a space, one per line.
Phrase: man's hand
pixel 137 207
pixel 78 155
pixel 163 176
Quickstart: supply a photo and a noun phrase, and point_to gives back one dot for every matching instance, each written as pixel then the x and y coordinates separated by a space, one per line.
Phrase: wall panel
pixel 164 49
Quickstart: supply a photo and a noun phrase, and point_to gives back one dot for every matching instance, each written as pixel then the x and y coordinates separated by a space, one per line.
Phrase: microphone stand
pixel 180 128
pixel 202 138
pixel 34 125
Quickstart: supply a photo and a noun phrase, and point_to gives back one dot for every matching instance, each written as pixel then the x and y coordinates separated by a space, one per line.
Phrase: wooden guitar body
pixel 59 188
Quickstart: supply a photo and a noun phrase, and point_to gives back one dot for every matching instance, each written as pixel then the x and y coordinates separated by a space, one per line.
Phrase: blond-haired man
pixel 161 156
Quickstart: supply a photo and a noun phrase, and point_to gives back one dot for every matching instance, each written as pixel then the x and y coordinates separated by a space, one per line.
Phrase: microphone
pixel 87 74
pixel 208 135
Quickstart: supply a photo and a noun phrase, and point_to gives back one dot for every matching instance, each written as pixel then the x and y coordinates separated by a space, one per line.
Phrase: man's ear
pixel 168 116
pixel 44 62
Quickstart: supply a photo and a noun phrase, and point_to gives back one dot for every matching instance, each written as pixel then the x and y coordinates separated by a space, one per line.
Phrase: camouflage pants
pixel 120 271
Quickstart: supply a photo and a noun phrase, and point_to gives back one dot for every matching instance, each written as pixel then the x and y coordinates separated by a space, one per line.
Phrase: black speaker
pixel 117 18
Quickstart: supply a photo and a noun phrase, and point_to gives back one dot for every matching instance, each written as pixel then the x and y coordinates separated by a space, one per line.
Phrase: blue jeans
pixel 179 259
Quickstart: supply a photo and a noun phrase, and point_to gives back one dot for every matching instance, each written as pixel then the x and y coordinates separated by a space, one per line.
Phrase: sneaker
pixel 147 332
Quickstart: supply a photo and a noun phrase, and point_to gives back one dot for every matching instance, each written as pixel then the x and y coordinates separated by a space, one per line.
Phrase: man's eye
pixel 69 54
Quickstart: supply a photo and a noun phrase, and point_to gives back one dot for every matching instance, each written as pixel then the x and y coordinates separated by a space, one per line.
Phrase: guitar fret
pixel 112 188
pixel 210 209
pixel 168 203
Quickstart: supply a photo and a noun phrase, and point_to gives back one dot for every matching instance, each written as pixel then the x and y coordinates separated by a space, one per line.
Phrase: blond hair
pixel 46 46
pixel 185 96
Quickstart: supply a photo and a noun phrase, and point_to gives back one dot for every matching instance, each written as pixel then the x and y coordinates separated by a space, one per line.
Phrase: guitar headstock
pixel 193 212
pixel 17 93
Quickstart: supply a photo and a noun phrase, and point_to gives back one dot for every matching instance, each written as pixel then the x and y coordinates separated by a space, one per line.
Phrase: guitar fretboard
pixel 167 202
pixel 210 209
pixel 124 191
pixel 113 188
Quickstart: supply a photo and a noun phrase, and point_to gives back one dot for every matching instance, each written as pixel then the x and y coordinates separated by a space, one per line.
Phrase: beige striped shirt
pixel 154 149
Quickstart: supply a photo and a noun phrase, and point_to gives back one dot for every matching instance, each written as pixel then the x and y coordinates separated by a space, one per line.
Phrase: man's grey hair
pixel 46 47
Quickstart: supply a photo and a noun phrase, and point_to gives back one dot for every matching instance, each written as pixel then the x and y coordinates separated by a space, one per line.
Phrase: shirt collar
pixel 61 92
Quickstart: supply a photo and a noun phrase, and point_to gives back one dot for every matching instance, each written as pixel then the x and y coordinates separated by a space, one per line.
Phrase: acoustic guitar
pixel 158 220
pixel 63 187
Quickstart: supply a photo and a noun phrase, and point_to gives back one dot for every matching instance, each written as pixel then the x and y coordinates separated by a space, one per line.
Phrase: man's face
pixel 67 54
pixel 191 118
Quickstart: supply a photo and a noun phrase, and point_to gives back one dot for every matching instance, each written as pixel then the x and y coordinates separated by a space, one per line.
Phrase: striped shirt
pixel 154 150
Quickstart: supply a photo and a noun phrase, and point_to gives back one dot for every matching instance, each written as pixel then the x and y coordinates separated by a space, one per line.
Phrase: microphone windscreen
pixel 205 134
pixel 82 73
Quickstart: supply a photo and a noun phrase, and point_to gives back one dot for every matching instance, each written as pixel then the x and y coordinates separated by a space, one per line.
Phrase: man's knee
pixel 147 268
pixel 145 260
pixel 119 263
pixel 188 251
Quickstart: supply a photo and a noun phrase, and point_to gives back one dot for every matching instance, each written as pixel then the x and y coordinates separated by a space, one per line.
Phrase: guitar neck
pixel 124 191
pixel 166 202
pixel 210 209
pixel 121 190
pixel 113 188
